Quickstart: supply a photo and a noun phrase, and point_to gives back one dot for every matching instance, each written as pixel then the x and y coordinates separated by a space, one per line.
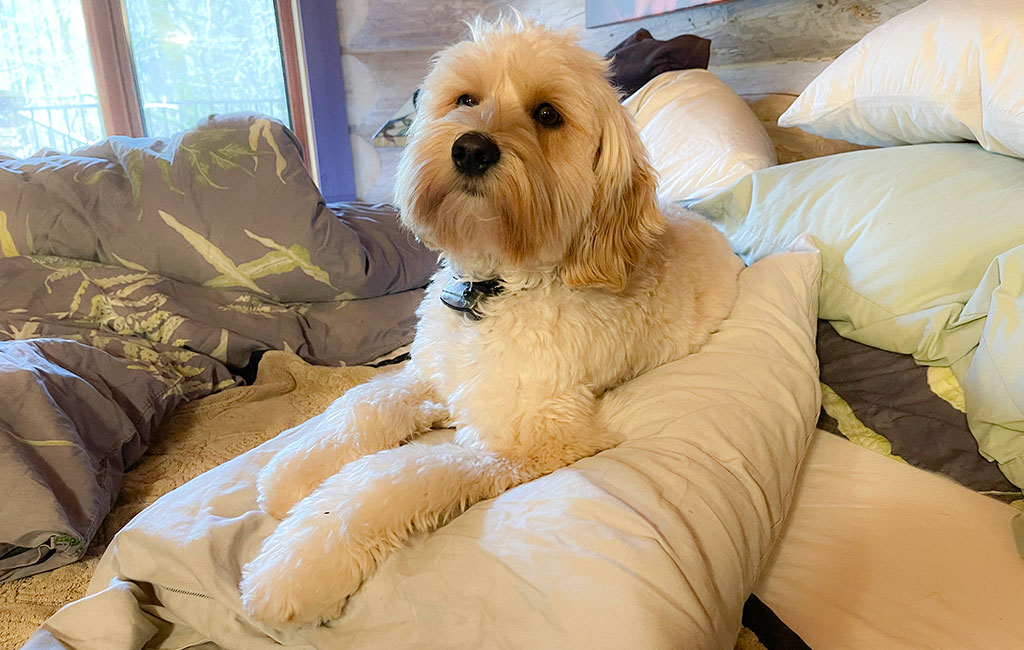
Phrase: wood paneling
pixel 391 25
pixel 383 189
pixel 397 74
pixel 740 30
pixel 776 76
pixel 758 47
pixel 387 45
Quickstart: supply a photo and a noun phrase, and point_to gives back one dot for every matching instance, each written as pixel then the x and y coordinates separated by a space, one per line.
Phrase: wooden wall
pixel 757 46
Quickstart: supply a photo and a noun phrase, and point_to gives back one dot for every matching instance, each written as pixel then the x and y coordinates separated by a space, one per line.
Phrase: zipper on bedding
pixel 185 592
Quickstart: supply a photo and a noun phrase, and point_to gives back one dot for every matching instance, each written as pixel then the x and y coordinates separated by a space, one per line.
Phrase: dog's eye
pixel 465 100
pixel 547 116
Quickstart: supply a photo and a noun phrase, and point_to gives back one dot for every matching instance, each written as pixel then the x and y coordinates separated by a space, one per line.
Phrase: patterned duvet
pixel 140 273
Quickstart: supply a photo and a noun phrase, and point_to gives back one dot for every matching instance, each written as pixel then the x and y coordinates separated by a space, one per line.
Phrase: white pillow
pixel 943 71
pixel 700 136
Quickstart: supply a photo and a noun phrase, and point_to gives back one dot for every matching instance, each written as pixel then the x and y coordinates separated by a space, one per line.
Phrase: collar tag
pixel 465 296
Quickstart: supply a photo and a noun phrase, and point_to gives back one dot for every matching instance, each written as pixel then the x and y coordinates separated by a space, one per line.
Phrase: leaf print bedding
pixel 139 273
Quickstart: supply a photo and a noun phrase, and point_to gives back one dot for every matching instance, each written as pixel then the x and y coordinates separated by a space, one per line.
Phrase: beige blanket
pixel 200 436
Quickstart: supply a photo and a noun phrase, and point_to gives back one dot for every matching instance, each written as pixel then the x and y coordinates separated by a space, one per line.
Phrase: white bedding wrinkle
pixel 654 544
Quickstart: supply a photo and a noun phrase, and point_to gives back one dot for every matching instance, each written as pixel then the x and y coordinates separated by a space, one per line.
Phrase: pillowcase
pixel 943 71
pixel 641 57
pixel 994 385
pixel 906 236
pixel 700 135
pixel 922 248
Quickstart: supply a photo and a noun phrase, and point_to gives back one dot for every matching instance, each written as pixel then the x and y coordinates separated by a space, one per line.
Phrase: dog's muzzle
pixel 474 153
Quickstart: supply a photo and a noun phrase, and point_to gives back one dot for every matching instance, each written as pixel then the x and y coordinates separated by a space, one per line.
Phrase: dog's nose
pixel 474 153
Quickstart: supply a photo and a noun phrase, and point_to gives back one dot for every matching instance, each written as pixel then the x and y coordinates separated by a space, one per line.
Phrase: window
pixel 48 95
pixel 193 58
pixel 76 70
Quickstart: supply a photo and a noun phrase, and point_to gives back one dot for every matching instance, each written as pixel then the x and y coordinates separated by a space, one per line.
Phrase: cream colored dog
pixel 522 169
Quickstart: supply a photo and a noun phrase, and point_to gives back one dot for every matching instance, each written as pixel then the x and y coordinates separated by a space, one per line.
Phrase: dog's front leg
pixel 382 413
pixel 320 554
pixel 333 539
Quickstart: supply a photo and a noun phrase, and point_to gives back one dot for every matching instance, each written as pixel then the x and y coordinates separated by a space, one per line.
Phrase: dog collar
pixel 465 296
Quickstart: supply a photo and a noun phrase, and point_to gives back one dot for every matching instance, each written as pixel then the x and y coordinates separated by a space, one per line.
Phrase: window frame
pixel 105 28
pixel 311 53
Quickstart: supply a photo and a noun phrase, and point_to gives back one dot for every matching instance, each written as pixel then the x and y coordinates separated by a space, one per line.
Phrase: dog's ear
pixel 625 219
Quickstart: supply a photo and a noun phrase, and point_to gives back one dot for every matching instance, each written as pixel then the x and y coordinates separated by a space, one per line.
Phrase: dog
pixel 560 278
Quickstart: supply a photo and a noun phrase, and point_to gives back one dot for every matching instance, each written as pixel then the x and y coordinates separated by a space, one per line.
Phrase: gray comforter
pixel 140 273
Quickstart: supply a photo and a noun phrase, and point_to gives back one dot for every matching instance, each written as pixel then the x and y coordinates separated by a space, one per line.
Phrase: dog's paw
pixel 272 596
pixel 295 581
pixel 280 485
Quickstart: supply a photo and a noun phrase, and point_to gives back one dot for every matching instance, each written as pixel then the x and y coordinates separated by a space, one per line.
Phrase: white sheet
pixel 877 554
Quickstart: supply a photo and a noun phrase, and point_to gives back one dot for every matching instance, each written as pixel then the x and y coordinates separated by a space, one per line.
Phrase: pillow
pixel 653 542
pixel 943 71
pixel 641 57
pixel 906 236
pixel 921 254
pixel 700 135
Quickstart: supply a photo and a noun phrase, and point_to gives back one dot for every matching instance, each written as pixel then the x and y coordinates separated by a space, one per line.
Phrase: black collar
pixel 465 296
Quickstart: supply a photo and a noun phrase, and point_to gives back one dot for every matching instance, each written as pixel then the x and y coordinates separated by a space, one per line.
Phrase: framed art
pixel 607 12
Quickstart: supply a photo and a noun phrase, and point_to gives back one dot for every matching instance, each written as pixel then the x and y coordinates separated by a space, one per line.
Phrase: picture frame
pixel 608 12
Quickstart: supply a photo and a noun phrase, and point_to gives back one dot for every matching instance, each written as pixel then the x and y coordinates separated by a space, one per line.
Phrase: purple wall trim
pixel 319 19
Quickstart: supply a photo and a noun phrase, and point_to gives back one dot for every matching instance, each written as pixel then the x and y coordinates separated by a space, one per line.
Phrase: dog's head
pixel 521 157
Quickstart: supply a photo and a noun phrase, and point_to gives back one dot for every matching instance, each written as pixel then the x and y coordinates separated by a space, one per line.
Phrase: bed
pixel 846 449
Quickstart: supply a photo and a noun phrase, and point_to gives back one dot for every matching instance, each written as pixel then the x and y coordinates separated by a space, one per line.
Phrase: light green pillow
pixel 906 235
pixel 922 253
